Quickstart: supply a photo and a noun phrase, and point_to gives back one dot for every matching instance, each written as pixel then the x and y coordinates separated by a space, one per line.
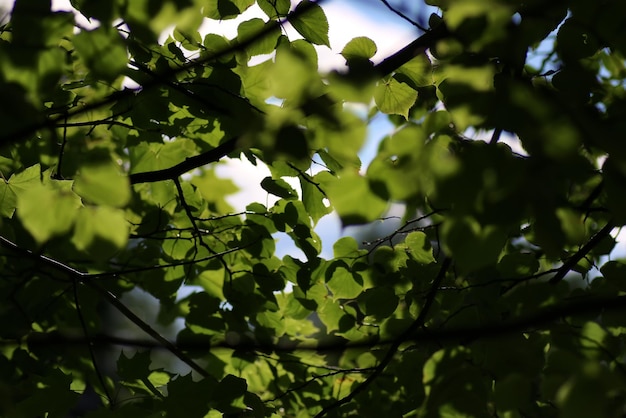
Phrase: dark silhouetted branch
pixel 81 277
pixel 580 254
pixel 539 319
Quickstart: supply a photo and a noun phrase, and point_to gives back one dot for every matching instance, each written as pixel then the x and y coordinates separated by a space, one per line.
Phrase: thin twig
pixel 403 16
pixel 197 232
pixel 115 302
pixel 582 252
pixel 496 136
pixel 59 173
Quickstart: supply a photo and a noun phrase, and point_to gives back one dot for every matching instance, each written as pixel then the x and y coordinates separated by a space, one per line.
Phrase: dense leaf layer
pixel 478 286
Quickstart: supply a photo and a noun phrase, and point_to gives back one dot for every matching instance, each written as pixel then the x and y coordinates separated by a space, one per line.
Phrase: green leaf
pixel 380 302
pixel 102 51
pixel 359 48
pixel 613 271
pixel 313 197
pixel 448 371
pixel 134 367
pixel 312 23
pixel 52 397
pixel 418 72
pixel 149 157
pixel 278 187
pixel 214 190
pixel 18 182
pixel 216 44
pixel 518 265
pixel 307 240
pixel 486 241
pixel 572 225
pixel 102 11
pixel 36 26
pixel 332 164
pixel 212 282
pixel 574 41
pixel 100 230
pixel 478 22
pixel 46 212
pixel 505 159
pixel 353 198
pixel 202 311
pixel 8 200
pixel 345 247
pixel 578 395
pixel 190 40
pixel 256 83
pixel 229 389
pixel 250 29
pixel 512 391
pixel 399 164
pixel 344 144
pixel 275 9
pixel 419 247
pixel 342 282
pixel 103 184
pixel 394 98
pixel 225 9
pixel 197 396
pixel 291 76
pixel 334 317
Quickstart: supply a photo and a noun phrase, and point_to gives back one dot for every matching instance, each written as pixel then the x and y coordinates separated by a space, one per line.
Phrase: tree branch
pixel 189 164
pixel 539 319
pixel 580 254
pixel 81 277
pixel 171 347
pixel 412 50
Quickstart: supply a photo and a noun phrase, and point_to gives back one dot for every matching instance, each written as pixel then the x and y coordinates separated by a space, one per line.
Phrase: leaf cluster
pixel 491 294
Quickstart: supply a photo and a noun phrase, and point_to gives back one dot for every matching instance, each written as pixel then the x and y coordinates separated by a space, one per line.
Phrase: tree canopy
pixel 499 293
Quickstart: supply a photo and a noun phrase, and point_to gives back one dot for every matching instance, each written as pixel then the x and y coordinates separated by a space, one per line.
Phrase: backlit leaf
pixel 102 51
pixel 312 23
pixel 420 247
pixel 251 28
pixel 359 48
pixel 275 8
pixel 394 98
pixel 225 9
pixel 279 187
pixel 100 230
pixel 103 184
pixel 343 283
pixel 46 212
pixel 353 198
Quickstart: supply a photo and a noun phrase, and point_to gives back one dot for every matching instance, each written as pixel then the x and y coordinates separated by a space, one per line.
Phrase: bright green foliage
pixel 359 48
pixel 102 51
pixel 393 97
pixel 312 25
pixel 492 294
